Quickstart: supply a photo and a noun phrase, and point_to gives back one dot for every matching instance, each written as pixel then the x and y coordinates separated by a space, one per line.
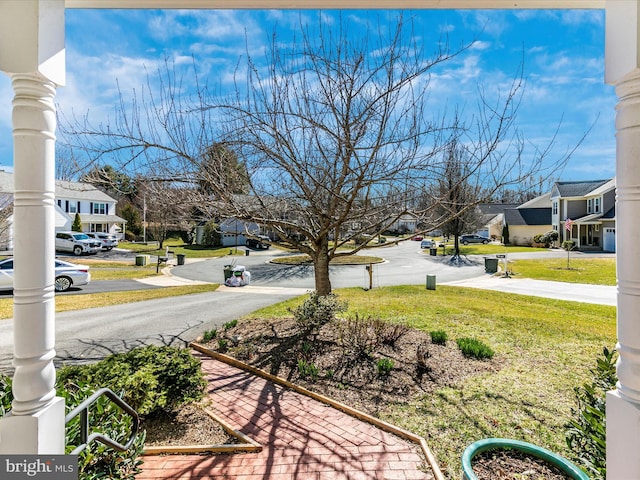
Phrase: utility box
pixel 431 282
pixel 142 260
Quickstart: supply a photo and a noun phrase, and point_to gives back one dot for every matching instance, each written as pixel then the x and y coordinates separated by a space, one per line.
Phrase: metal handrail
pixel 83 411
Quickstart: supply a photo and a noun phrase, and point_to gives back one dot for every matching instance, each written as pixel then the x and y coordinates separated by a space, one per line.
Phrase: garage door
pixel 609 241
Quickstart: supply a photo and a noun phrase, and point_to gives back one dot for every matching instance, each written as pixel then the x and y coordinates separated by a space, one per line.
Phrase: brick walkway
pixel 301 438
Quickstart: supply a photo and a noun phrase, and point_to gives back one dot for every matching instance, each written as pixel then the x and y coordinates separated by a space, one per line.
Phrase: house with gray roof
pixel 492 218
pixel 581 211
pixel 528 220
pixel 584 212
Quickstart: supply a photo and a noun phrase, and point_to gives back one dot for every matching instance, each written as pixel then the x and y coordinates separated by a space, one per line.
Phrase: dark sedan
pixel 467 239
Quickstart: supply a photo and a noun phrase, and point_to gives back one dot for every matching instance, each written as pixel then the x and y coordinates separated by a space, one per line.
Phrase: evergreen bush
pixel 586 432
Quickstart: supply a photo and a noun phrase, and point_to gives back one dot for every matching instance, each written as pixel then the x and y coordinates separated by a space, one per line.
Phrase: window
pixel 99 209
pixel 593 205
pixel 73 207
pixel 555 208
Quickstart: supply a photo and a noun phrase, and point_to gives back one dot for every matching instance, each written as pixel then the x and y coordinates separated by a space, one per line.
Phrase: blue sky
pixel 562 51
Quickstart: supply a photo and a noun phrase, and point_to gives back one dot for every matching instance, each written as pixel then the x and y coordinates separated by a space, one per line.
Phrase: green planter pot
pixel 562 464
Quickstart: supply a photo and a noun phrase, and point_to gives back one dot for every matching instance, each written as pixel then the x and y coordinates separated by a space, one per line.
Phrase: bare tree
pixel 457 196
pixel 167 209
pixel 334 135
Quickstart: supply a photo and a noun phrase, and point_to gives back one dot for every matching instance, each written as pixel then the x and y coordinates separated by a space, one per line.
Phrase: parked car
pixel 67 275
pixel 417 238
pixel 426 243
pixel 77 243
pixel 467 239
pixel 107 240
pixel 259 242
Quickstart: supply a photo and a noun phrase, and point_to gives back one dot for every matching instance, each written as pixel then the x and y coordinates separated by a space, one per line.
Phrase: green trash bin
pixel 142 260
pixel 181 257
pixel 490 265
pixel 228 271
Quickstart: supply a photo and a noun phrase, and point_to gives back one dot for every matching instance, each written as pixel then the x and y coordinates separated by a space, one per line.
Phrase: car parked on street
pixel 467 239
pixel 258 242
pixel 107 240
pixel 426 243
pixel 67 275
pixel 77 243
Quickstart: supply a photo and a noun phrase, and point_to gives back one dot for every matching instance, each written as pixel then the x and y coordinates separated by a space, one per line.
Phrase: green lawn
pixel 545 348
pixel 597 271
pixel 479 249
pixel 66 303
pixel 177 246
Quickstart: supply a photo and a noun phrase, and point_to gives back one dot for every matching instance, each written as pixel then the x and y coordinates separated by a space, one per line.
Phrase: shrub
pixel 439 337
pixel 470 347
pixel 568 245
pixel 384 365
pixel 361 336
pixel 230 325
pixel 316 311
pixel 392 332
pixel 307 369
pixel 211 236
pixel 422 358
pixel 586 432
pixel 209 335
pixel 505 234
pixel 150 378
pixel 223 345
pixel 77 223
pixel 6 395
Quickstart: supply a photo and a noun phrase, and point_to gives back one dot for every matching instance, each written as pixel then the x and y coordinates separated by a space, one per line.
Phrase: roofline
pixel 340 4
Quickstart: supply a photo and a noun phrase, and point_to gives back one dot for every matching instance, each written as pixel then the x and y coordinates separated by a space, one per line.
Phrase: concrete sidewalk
pixel 576 292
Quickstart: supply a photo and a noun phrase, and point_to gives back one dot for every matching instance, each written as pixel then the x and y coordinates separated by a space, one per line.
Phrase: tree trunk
pixel 321 268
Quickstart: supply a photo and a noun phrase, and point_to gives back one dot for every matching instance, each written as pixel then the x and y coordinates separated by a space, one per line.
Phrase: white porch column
pixel 622 59
pixel 32 52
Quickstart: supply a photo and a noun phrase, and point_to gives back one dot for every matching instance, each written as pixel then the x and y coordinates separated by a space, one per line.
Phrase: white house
pixel 96 209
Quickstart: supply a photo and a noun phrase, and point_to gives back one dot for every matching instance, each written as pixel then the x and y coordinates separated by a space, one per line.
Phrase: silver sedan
pixel 67 275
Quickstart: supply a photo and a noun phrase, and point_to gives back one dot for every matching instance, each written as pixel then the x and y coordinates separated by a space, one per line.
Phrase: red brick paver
pixel 301 438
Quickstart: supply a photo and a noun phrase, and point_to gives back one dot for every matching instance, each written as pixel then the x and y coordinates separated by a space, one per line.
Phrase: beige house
pixel 529 219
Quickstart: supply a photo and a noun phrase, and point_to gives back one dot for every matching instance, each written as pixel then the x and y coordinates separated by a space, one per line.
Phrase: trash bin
pixel 228 271
pixel 490 265
pixel 142 260
pixel 433 251
pixel 181 257
pixel 431 282
pixel 246 253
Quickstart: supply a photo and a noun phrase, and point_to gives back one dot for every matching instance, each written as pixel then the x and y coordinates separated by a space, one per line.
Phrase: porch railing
pixel 83 411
